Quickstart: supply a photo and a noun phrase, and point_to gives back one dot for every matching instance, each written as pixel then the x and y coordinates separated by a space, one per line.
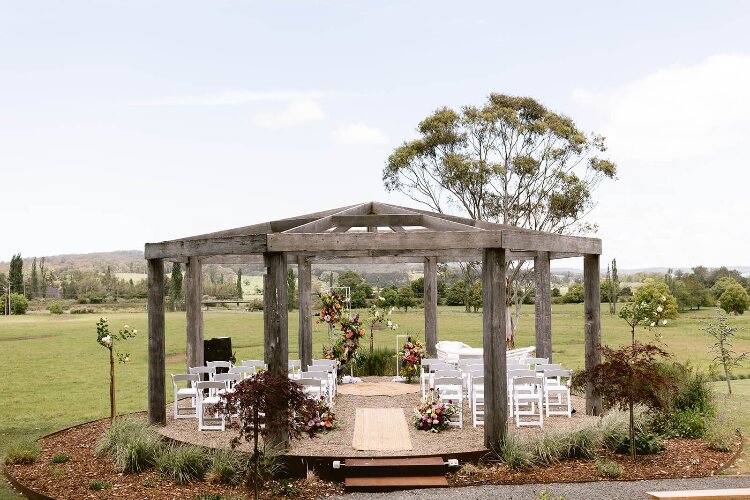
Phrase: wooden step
pixel 394 467
pixel 373 484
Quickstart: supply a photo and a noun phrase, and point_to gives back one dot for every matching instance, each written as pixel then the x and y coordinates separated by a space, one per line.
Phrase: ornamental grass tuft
pixel 182 464
pixel 132 444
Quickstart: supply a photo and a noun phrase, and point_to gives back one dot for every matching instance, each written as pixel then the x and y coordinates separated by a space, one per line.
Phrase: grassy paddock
pixel 55 374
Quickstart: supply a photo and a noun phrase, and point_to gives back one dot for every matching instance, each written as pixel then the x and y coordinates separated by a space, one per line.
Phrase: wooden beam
pixel 157 396
pixel 377 220
pixel 194 313
pixel 430 306
pixel 397 229
pixel 495 369
pixel 225 245
pixel 543 307
pixel 440 224
pixel 592 326
pixel 304 300
pixel 269 227
pixel 325 223
pixel 449 240
pixel 549 242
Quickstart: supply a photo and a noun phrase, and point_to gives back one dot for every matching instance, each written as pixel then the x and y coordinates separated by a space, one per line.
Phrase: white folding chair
pixel 313 387
pixel 219 364
pixel 450 390
pixel 294 367
pixel 544 367
pixel 327 374
pixel 514 373
pixel 431 367
pixel 229 379
pixel 244 371
pixel 185 392
pixel 528 400
pixel 204 372
pixel 536 361
pixel 258 364
pixel 206 402
pixel 477 399
pixel 557 393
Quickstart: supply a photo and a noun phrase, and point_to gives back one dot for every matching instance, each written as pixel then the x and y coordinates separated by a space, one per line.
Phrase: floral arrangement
pixel 346 345
pixel 333 304
pixel 434 414
pixel 107 339
pixel 410 357
pixel 318 416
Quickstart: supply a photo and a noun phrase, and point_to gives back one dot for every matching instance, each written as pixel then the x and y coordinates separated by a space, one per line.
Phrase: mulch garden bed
pixel 682 458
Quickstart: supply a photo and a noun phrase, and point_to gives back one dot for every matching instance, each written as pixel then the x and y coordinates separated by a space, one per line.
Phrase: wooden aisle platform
pixel 381 429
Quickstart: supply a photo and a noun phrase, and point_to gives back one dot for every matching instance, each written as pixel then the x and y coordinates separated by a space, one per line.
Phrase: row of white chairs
pixel 204 386
pixel 534 386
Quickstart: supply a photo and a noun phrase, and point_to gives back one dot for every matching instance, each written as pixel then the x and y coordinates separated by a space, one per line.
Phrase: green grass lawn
pixel 54 374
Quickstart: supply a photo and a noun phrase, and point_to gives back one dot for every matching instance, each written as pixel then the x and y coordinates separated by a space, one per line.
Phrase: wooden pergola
pixel 374 232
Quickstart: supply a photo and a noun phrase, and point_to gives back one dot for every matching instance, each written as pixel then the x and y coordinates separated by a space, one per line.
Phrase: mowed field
pixel 54 374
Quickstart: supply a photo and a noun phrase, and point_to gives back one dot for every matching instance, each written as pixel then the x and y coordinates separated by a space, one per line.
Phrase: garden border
pixel 297 465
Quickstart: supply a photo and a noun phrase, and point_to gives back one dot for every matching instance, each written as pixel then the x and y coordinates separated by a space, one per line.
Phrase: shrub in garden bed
pixel 132 444
pixel 24 453
pixel 378 363
pixel 182 463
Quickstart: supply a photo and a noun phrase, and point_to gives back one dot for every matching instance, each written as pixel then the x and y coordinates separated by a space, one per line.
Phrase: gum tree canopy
pixel 511 161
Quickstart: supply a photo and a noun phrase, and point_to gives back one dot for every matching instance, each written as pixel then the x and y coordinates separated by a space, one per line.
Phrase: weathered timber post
pixel 430 305
pixel 275 329
pixel 543 306
pixel 493 326
pixel 275 334
pixel 592 326
pixel 194 312
pixel 304 298
pixel 157 396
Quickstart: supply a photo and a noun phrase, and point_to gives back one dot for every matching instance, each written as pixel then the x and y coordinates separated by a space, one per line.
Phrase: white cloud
pixel 360 134
pixel 679 137
pixel 679 112
pixel 297 112
pixel 229 98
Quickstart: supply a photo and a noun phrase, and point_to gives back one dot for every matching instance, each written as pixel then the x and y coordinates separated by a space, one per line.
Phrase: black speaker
pixel 218 349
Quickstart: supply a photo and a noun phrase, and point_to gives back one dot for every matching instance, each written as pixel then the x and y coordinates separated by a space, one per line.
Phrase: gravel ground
pixel 338 443
pixel 601 490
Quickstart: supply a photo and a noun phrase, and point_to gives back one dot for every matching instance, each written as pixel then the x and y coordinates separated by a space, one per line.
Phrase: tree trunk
pixel 632 432
pixel 112 385
pixel 726 372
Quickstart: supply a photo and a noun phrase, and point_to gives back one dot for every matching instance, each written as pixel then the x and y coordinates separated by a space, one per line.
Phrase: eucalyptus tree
pixel 511 161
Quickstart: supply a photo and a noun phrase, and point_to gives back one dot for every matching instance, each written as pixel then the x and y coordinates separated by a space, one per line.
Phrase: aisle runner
pixel 381 429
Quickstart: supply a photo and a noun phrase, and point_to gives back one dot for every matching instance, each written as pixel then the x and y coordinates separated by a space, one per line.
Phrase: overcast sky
pixel 127 121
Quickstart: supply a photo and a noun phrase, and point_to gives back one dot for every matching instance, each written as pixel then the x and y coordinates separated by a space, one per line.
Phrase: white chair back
pixel 204 372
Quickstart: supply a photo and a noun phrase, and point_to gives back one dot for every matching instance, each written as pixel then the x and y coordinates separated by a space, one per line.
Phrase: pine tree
pixel 34 279
pixel 239 284
pixel 43 276
pixel 15 275
pixel 614 289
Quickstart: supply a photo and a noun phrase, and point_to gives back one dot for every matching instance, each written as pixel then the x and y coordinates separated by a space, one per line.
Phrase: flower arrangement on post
pixel 410 357
pixel 377 316
pixel 346 345
pixel 318 416
pixel 434 414
pixel 332 310
pixel 107 339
